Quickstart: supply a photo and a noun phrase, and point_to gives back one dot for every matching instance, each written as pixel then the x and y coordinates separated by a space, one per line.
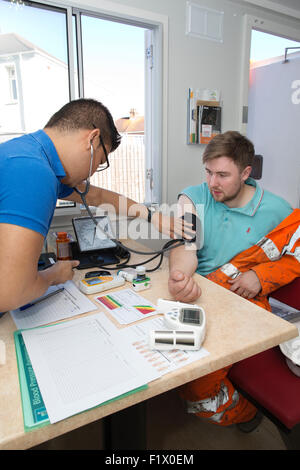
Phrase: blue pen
pixel 24 307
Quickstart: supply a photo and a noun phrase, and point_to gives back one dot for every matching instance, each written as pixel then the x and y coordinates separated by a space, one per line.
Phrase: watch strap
pixel 149 215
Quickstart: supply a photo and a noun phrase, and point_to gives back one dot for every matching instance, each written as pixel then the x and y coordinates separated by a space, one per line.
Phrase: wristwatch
pixel 151 211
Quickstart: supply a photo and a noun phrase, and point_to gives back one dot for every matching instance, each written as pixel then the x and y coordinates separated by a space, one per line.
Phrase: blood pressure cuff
pixel 196 226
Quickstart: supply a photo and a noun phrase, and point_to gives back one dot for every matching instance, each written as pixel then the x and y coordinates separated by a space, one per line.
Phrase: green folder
pixel 34 410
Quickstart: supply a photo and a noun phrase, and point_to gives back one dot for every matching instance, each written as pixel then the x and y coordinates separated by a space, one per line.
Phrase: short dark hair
pixel 230 144
pixel 87 114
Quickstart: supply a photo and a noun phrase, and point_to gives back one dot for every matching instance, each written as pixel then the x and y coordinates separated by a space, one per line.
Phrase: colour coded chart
pixel 144 309
pixel 161 361
pixel 126 306
pixel 109 302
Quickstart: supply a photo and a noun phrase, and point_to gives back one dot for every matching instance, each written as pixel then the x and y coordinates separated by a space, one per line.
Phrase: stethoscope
pixel 168 246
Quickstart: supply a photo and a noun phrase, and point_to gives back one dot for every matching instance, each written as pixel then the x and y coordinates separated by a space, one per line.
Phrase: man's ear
pixel 91 135
pixel 246 172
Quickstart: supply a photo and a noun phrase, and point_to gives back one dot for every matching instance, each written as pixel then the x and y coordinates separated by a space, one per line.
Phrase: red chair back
pixel 289 294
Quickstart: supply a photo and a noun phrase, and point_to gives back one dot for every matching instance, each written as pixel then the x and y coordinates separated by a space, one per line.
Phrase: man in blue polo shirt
pixel 234 214
pixel 36 170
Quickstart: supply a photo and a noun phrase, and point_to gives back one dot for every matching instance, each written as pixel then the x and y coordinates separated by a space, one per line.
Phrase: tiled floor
pixel 169 427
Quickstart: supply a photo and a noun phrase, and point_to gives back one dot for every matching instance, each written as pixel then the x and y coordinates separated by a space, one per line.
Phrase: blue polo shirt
pixel 30 181
pixel 226 231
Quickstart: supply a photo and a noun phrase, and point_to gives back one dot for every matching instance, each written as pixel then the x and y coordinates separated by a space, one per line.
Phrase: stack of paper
pixel 82 363
pixel 66 304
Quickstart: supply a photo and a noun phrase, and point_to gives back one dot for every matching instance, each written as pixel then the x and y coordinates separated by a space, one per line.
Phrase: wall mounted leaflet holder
pixel 204 116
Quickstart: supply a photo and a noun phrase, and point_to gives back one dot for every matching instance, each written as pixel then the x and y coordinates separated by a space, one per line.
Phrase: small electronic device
pixel 95 246
pixel 91 237
pixel 185 318
pixel 128 274
pixel 96 273
pixel 46 260
pixel 180 318
pixel 96 284
pixel 141 281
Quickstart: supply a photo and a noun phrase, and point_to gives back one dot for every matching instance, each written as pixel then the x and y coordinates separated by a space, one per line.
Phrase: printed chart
pixel 126 306
pixel 161 361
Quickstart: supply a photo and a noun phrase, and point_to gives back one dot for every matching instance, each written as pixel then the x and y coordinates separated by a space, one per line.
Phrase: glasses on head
pixel 105 165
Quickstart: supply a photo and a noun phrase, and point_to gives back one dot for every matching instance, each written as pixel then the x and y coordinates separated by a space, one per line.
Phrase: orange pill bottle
pixel 63 246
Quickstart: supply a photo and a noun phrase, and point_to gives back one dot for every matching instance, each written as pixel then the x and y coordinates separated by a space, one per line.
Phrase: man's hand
pixel 246 285
pixel 182 287
pixel 174 227
pixel 60 272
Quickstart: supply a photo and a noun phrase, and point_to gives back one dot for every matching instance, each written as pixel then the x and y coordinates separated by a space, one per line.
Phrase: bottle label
pixel 63 250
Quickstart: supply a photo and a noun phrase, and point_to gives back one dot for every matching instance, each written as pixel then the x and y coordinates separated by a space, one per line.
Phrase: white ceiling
pixel 288 3
pixel 287 7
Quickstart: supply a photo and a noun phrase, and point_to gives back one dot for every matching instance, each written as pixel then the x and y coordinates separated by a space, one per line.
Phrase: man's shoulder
pixel 275 202
pixel 19 147
pixel 195 192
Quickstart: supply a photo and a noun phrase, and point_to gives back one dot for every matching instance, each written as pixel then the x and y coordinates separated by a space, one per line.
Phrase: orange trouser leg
pixel 213 397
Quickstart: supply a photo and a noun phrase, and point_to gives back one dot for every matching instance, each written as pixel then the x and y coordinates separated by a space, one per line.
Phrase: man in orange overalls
pixel 248 242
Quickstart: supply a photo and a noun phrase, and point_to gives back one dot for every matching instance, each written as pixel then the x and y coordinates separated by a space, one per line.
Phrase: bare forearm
pixel 111 201
pixel 184 260
pixel 181 284
pixel 121 204
pixel 13 295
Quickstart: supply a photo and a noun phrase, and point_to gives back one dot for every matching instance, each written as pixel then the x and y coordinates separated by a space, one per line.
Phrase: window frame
pixel 266 26
pixel 156 103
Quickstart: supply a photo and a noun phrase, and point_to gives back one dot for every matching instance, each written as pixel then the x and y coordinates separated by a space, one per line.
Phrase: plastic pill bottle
pixel 63 246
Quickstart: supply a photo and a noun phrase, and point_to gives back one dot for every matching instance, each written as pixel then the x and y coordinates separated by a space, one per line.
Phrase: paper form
pixel 126 306
pixel 81 363
pixel 66 304
pixel 161 361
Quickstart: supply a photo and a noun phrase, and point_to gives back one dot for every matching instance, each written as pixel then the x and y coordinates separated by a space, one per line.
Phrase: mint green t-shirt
pixel 226 231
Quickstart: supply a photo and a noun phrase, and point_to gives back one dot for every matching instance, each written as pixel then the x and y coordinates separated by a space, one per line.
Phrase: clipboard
pixel 34 410
pixel 33 407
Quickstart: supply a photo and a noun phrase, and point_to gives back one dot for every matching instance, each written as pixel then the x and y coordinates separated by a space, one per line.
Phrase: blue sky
pixel 265 46
pixel 44 28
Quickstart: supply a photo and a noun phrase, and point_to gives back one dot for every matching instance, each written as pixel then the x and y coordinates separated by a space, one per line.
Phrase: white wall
pixel 40 76
pixel 196 63
pixel 274 121
pixel 37 75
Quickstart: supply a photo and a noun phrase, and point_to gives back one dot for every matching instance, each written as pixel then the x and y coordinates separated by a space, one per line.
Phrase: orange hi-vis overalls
pixel 276 261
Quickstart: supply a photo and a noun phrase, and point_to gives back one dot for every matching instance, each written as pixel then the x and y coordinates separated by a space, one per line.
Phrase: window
pixel 266 46
pixel 52 54
pixel 33 51
pixel 113 57
pixel 11 71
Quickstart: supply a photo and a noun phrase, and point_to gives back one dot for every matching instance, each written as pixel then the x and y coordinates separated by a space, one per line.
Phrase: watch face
pixel 191 316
